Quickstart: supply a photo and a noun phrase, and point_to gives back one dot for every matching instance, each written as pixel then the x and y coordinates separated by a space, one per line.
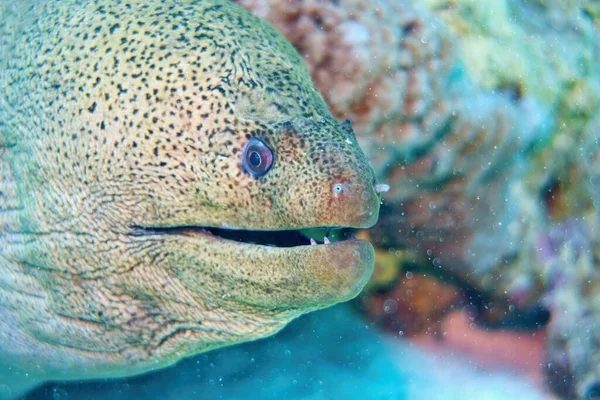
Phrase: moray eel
pixel 140 143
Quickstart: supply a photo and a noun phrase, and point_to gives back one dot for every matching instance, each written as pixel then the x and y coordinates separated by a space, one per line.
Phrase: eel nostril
pixel 337 188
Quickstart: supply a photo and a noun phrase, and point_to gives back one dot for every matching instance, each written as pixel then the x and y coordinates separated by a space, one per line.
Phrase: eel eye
pixel 257 157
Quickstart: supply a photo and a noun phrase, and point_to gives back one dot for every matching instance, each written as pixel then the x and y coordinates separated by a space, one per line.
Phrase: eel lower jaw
pixel 282 268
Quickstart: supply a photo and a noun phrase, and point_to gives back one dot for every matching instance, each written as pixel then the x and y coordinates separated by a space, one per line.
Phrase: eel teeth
pixel 313 242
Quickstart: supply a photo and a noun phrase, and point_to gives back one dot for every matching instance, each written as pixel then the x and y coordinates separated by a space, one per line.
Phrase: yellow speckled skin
pixel 116 115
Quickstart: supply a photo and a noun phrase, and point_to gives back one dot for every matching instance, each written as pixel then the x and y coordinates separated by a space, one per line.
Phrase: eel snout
pixel 353 203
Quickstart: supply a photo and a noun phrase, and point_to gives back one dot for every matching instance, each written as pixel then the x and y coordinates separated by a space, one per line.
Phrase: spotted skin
pixel 120 117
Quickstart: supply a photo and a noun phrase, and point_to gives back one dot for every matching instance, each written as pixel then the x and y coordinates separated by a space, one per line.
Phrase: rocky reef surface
pixel 484 119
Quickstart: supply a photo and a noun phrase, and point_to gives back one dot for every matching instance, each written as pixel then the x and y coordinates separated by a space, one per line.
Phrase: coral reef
pixel 549 51
pixel 528 45
pixel 483 118
pixel 569 254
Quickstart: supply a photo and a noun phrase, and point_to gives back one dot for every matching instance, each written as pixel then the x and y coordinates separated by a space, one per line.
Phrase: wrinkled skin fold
pixel 122 128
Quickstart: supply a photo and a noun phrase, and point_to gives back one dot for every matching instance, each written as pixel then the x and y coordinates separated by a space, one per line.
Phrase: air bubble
pixel 390 306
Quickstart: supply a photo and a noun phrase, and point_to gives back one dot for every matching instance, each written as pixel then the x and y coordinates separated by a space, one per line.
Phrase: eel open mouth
pixel 274 238
pixel 304 269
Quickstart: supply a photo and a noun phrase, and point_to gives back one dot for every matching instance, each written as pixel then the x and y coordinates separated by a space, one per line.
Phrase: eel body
pixel 157 160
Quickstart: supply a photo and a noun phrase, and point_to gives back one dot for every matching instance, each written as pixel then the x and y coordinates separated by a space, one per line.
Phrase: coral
pixel 546 50
pixel 590 155
pixel 528 45
pixel 569 254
